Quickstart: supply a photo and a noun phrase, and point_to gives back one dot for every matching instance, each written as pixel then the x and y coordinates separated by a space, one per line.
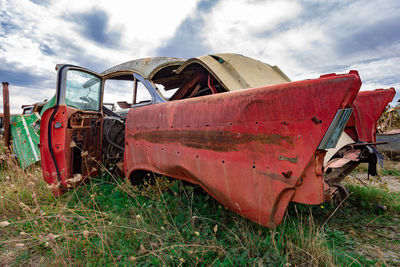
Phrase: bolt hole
pixel 254 166
pixel 256 122
pixel 197 156
pixel 223 161
pixel 177 152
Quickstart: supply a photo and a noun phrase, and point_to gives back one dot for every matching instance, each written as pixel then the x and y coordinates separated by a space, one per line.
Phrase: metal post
pixel 6 108
pixel 134 91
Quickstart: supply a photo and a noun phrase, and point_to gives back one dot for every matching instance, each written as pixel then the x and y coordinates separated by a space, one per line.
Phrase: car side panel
pixel 249 149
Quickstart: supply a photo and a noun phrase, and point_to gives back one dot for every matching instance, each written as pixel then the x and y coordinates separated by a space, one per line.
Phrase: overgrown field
pixel 166 222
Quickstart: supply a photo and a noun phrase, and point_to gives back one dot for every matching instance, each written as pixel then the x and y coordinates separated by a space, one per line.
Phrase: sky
pixel 304 38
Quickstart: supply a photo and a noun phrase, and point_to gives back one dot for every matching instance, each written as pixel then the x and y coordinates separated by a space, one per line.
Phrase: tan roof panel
pixel 236 72
pixel 144 66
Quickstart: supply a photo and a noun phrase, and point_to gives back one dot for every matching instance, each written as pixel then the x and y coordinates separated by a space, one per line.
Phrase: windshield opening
pixel 82 90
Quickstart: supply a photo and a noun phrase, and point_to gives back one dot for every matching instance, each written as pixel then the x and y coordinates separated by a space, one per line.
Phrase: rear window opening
pixel 193 81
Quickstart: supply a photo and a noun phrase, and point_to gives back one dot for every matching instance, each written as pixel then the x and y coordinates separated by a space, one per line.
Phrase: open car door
pixel 71 130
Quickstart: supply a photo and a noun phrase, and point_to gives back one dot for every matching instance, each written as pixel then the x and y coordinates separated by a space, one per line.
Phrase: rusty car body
pixel 239 128
pixel 357 142
pixel 25 132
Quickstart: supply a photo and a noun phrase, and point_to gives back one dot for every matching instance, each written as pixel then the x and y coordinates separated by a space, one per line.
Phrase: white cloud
pixel 24 96
pixel 379 74
pixel 149 22
pixel 142 25
pixel 240 27
pixel 243 17
pixel 309 38
pixel 304 38
pixel 236 26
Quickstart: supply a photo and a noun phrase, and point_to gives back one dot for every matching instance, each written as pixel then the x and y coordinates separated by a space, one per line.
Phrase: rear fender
pixel 368 107
pixel 359 137
pixel 248 149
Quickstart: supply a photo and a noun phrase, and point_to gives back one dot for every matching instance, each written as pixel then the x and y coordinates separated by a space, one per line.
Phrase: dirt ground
pixel 390 182
pixel 376 240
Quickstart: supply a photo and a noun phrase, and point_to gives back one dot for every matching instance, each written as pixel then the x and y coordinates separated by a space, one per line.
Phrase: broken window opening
pixel 82 90
pixel 142 94
pixel 193 81
pixel 118 90
pixel 165 93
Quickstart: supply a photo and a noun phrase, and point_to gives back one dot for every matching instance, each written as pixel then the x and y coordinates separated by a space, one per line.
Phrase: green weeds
pixel 167 222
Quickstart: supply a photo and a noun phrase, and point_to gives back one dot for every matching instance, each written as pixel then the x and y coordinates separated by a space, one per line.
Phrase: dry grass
pixel 389 121
pixel 108 221
pixel 309 248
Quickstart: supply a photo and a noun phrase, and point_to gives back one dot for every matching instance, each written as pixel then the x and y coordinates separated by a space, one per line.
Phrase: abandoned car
pixel 25 131
pixel 239 128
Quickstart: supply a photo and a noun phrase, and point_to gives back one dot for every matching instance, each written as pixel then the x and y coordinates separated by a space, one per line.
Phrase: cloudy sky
pixel 304 38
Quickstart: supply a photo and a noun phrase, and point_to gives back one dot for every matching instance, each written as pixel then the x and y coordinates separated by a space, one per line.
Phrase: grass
pixel 167 222
pixel 389 168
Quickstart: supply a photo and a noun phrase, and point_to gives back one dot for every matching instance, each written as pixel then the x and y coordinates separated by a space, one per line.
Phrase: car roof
pixel 144 66
pixel 233 71
pixel 237 72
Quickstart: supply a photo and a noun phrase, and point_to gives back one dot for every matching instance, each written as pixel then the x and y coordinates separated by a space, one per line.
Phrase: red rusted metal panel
pixel 368 107
pixel 59 124
pixel 58 146
pixel 6 113
pixel 311 187
pixel 250 149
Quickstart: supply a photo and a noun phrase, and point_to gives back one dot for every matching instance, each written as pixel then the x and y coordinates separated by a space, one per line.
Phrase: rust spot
pixel 316 120
pixel 274 176
pixel 292 160
pixel 287 174
pixel 212 140
pixel 254 104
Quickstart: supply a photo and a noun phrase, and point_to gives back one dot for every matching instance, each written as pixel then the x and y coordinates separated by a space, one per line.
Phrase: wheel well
pixel 138 176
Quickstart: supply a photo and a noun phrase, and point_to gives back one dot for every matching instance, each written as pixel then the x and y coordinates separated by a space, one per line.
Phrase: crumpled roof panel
pixel 233 71
pixel 144 66
pixel 237 72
